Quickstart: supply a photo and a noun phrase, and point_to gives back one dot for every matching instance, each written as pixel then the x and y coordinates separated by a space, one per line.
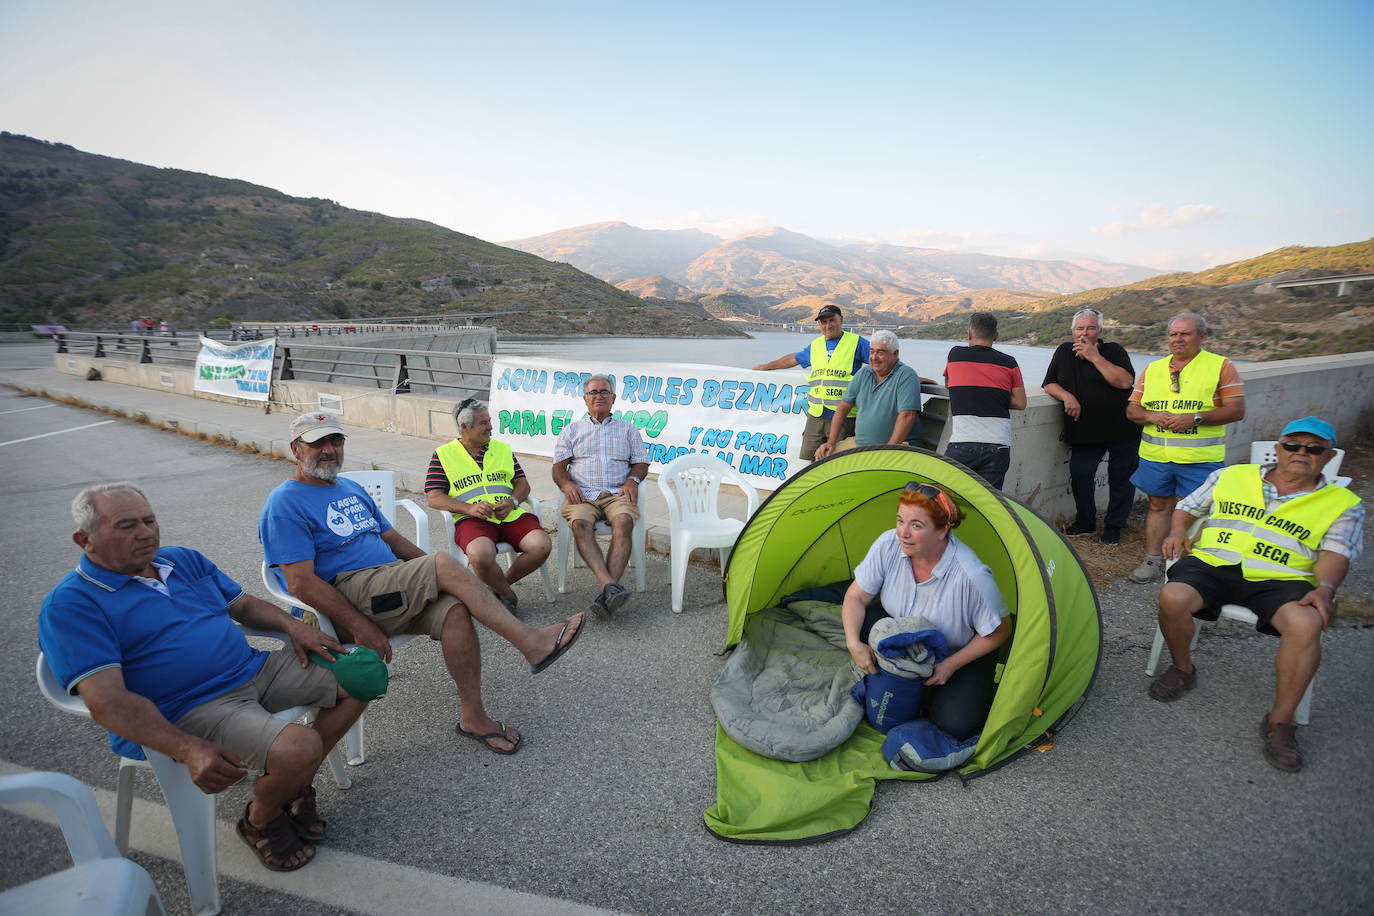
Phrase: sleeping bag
pixel 907 650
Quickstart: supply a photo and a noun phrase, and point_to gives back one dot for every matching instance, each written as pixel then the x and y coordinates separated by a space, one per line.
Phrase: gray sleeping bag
pixel 784 693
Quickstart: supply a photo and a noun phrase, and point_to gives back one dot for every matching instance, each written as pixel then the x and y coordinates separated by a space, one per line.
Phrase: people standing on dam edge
pixel 833 358
pixel 1183 401
pixel 1092 378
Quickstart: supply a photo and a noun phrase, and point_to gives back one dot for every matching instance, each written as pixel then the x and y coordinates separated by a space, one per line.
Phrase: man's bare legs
pixel 1296 662
pixel 532 551
pixel 293 760
pixel 584 536
pixel 1177 604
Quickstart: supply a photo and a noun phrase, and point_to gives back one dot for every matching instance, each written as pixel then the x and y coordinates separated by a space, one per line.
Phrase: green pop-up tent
pixel 814 530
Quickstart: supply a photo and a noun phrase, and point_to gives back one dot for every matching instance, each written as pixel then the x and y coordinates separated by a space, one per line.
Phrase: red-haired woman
pixel 921 569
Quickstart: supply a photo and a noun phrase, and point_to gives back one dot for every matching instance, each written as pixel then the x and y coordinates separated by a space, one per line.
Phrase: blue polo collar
pixel 110 581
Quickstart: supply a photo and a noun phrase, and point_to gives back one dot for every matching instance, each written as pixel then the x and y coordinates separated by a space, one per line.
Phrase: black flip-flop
pixel 559 646
pixel 485 738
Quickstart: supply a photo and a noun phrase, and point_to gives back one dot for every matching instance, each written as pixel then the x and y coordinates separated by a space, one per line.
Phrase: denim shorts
pixel 1169 478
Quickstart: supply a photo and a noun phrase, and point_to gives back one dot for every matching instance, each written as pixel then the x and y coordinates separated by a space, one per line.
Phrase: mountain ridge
pixel 86 238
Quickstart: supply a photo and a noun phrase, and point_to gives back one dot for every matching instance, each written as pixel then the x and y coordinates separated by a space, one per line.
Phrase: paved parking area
pixel 1141 807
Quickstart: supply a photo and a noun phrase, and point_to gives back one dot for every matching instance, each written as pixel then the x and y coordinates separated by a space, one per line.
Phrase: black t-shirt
pixel 1103 418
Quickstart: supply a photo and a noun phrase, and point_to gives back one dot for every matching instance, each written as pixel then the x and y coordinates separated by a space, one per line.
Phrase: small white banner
pixel 751 420
pixel 239 370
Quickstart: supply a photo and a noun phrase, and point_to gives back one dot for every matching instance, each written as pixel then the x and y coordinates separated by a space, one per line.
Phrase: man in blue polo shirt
pixel 145 635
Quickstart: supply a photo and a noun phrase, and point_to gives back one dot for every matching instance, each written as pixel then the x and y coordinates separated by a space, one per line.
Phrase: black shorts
pixel 1220 585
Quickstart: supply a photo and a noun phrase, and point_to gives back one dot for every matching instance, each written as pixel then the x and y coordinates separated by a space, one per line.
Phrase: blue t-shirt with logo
pixel 177 648
pixel 338 526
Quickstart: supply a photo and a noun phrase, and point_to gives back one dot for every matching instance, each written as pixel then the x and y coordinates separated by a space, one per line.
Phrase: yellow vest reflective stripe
pixel 1197 386
pixel 490 483
pixel 831 373
pixel 1282 544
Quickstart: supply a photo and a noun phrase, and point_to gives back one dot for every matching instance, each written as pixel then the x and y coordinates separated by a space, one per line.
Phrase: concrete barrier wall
pixel 1338 388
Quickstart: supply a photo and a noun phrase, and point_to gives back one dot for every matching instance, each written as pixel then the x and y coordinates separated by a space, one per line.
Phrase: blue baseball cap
pixel 1313 425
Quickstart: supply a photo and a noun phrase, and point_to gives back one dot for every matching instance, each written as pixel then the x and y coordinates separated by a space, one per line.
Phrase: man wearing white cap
pixel 341 556
pixel 1279 539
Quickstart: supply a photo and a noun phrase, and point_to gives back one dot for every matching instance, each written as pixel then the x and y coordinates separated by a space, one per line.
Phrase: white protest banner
pixel 751 420
pixel 239 370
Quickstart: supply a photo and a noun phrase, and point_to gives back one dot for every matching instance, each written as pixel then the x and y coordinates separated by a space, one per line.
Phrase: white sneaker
pixel 1146 572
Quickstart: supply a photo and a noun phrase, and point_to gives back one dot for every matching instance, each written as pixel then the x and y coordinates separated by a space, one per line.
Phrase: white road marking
pixel 22 409
pixel 342 879
pixel 56 433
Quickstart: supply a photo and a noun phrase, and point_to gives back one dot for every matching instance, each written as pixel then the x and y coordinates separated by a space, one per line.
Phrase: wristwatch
pixel 636 479
pixel 1328 585
pixel 1197 419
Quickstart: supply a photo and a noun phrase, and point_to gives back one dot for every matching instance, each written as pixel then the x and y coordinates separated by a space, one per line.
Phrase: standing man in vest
pixel 1279 539
pixel 833 359
pixel 1184 401
pixel 479 481
pixel 985 385
pixel 1093 378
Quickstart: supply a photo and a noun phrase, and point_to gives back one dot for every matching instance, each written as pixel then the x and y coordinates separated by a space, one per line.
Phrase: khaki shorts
pixel 399 597
pixel 606 506
pixel 241 719
pixel 817 431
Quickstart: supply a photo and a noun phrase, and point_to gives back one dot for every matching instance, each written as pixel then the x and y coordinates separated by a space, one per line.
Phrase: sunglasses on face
pixel 1173 381
pixel 1309 449
pixel 599 392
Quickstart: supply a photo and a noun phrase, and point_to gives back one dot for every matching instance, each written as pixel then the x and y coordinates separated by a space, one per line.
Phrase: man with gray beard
pixel 341 556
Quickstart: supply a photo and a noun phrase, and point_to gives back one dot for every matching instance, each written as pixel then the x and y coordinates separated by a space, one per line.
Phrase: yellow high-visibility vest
pixel 1197 386
pixel 490 483
pixel 831 374
pixel 1282 544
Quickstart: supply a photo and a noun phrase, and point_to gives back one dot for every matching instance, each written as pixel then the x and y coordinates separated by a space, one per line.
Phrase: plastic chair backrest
pixel 696 479
pixel 1265 452
pixel 381 486
pixel 55 694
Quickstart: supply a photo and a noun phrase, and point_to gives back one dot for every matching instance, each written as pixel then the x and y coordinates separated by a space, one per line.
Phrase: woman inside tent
pixel 920 568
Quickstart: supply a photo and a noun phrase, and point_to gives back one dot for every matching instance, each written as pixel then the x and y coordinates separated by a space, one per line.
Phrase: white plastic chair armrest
pixel 421 522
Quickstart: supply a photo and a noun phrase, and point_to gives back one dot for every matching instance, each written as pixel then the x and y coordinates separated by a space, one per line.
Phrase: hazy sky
pixel 1169 134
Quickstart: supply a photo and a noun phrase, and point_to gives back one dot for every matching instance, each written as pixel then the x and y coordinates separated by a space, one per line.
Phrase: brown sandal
pixel 274 844
pixel 305 816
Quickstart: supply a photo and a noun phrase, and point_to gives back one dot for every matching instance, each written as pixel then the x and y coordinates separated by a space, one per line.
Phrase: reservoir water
pixel 927 357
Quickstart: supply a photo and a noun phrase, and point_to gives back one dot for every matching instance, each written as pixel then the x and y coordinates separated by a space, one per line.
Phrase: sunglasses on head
pixel 924 489
pixel 1309 449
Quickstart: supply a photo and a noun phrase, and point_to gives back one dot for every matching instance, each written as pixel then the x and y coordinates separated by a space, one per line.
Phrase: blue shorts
pixel 1169 478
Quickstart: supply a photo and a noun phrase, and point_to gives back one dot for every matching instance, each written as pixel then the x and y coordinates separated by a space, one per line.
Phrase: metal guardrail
pixel 399 371
pixel 426 372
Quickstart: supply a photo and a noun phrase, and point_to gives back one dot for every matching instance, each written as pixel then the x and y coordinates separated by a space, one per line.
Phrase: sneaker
pixel 615 595
pixel 1281 745
pixel 1148 571
pixel 1079 529
pixel 598 607
pixel 1172 684
pixel 1111 534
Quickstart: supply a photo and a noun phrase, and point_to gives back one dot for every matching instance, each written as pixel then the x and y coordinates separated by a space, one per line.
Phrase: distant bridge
pixel 1345 284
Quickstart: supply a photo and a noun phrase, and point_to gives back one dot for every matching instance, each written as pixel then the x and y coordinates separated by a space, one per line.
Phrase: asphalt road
pixel 1140 808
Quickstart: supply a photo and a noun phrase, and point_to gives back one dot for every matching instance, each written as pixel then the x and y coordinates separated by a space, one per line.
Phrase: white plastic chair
pixel 355 740
pixel 381 486
pixel 691 487
pixel 100 882
pixel 502 550
pixel 563 546
pixel 1261 452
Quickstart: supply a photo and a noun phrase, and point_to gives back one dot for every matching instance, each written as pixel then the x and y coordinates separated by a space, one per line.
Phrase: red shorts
pixel 512 533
